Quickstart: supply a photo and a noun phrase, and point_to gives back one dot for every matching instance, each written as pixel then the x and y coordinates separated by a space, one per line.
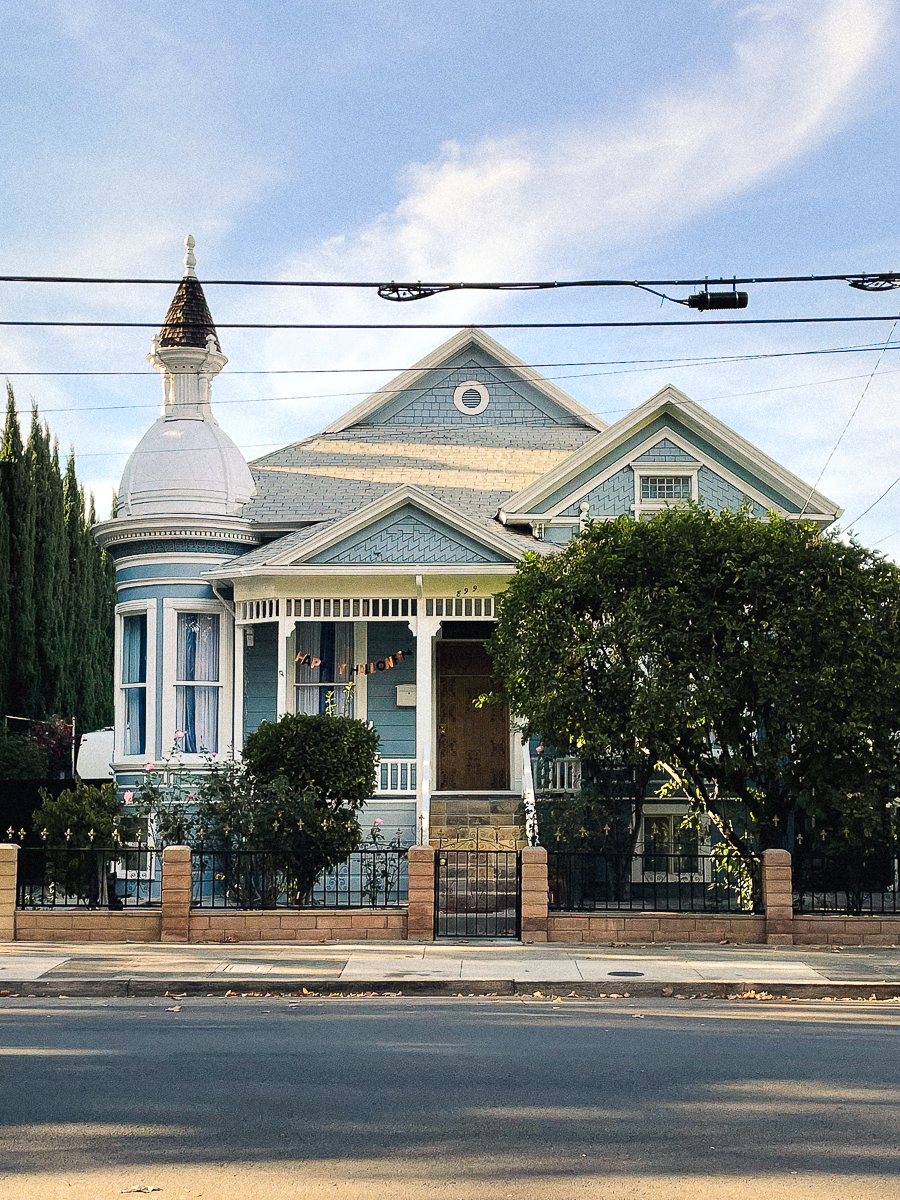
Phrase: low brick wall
pixel 81 925
pixel 300 925
pixel 655 927
pixel 826 929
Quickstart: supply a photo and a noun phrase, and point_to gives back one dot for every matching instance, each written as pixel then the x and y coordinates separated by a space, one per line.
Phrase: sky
pixel 464 140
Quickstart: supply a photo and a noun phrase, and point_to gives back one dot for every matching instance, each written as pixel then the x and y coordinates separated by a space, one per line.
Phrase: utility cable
pixel 864 281
pixel 683 360
pixel 847 425
pixel 459 325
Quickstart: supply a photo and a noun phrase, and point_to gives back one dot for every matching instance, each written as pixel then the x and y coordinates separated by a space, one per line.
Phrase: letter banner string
pixel 370 668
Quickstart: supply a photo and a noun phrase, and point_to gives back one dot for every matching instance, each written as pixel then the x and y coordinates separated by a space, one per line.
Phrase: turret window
pixel 197 683
pixel 134 682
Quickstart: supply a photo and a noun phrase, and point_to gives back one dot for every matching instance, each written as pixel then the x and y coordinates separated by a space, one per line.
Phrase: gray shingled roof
pixel 473 468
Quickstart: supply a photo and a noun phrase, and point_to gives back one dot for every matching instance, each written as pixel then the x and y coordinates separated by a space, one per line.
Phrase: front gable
pixel 470 380
pixel 668 436
pixel 409 536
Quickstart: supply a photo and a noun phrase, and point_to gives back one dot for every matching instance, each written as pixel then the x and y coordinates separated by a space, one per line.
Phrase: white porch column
pixel 284 630
pixel 237 715
pixel 426 628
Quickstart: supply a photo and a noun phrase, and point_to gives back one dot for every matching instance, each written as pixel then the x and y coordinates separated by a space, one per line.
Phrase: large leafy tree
pixel 757 661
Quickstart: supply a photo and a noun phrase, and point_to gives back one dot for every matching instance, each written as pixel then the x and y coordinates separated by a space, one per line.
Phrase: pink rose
pixel 128 797
pixel 378 821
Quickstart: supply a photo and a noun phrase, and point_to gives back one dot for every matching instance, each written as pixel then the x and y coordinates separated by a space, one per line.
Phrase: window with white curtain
pixel 197 683
pixel 323 667
pixel 134 682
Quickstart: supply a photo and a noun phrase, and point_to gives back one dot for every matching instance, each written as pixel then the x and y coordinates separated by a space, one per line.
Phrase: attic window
pixel 471 397
pixel 665 487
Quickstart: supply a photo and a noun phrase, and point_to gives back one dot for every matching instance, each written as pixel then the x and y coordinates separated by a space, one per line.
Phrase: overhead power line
pixel 457 325
pixel 863 280
pixel 660 363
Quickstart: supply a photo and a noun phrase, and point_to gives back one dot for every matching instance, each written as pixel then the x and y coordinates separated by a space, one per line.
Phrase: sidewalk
pixel 446 967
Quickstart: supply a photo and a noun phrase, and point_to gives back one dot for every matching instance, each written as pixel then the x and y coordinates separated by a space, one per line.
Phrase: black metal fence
pixel 856 883
pixel 652 881
pixel 267 879
pixel 477 893
pixel 68 877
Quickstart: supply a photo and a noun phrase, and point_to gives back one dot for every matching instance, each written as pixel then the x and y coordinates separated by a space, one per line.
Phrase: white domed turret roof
pixel 185 468
pixel 184 465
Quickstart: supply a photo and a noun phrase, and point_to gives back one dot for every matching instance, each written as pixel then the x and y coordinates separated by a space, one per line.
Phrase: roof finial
pixel 189 261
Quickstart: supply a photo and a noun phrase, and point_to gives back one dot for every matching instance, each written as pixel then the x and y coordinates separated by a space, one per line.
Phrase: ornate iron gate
pixel 478 893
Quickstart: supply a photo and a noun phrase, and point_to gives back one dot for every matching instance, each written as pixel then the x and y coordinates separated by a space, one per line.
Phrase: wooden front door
pixel 472 743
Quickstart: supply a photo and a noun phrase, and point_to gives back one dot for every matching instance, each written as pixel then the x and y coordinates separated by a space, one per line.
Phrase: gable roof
pixel 716 443
pixel 420 375
pixel 323 543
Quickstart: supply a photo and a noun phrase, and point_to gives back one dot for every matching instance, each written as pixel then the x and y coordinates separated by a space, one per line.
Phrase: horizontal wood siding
pixel 396 726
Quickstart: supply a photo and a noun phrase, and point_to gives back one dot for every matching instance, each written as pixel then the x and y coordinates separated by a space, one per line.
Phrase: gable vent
pixel 471 397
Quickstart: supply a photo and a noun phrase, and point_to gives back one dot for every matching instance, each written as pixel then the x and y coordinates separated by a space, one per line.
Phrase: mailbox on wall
pixel 406 695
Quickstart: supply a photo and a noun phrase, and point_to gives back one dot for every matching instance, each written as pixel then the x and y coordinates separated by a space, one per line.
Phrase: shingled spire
pixel 188 321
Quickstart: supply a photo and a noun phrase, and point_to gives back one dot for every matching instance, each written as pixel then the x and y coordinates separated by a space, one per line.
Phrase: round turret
pixel 185 465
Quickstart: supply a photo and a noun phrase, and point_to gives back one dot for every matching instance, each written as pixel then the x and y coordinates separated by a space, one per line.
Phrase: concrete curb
pixel 151 988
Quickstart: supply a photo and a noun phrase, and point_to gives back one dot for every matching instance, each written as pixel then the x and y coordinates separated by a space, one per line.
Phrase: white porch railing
pixel 557 774
pixel 395 776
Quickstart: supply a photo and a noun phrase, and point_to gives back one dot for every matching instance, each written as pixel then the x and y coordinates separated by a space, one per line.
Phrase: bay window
pixel 197 682
pixel 134 682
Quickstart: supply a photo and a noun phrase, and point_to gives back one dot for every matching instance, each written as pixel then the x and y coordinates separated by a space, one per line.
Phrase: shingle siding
pixel 718 493
pixel 611 498
pixel 666 451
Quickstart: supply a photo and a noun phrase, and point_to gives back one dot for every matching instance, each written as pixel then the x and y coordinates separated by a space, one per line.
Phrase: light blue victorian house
pixel 357 571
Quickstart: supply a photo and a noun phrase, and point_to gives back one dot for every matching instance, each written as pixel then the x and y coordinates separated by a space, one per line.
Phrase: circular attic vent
pixel 471 397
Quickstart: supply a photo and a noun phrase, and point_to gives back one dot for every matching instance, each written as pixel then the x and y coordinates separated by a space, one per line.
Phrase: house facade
pixel 358 571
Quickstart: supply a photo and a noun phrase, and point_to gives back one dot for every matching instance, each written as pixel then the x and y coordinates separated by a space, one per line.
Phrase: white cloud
pixel 513 206
pixel 556 199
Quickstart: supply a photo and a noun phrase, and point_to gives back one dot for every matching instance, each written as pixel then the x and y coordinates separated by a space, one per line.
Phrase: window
pixel 322 667
pixel 665 487
pixel 668 849
pixel 134 682
pixel 197 683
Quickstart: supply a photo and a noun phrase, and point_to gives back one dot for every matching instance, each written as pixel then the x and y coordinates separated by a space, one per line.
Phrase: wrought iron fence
pixel 857 883
pixel 266 879
pixel 652 880
pixel 69 877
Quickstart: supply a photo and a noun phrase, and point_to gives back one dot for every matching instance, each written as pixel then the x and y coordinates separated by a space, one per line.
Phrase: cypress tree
pixel 18 496
pixel 5 622
pixel 50 568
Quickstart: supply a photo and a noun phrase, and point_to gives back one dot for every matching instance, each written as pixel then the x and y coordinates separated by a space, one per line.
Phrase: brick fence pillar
pixel 778 899
pixel 176 894
pixel 420 917
pixel 9 858
pixel 534 894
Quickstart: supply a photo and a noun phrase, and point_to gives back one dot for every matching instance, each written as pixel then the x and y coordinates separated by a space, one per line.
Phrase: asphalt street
pixel 487 1098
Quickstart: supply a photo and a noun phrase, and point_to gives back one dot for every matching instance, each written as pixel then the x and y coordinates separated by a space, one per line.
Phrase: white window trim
pixel 640 469
pixel 360 649
pixel 132 608
pixel 171 609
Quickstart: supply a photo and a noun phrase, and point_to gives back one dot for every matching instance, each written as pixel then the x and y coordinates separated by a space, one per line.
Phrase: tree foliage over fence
pixel 757 660
pixel 57 588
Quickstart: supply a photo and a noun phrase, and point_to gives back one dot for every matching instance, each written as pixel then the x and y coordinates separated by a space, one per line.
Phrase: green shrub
pixel 21 758
pixel 81 817
pixel 335 756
